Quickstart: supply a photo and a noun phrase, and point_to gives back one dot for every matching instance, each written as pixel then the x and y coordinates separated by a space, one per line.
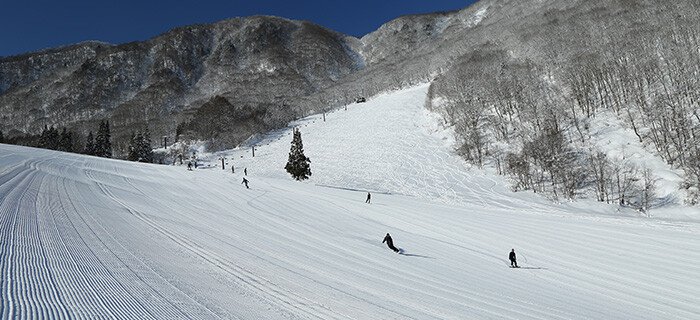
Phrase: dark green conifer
pixel 298 163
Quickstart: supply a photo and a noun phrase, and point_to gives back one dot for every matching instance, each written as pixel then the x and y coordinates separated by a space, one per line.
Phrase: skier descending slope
pixel 390 243
pixel 511 256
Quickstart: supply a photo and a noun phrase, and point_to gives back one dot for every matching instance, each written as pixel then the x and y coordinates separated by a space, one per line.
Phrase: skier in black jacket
pixel 390 243
pixel 511 256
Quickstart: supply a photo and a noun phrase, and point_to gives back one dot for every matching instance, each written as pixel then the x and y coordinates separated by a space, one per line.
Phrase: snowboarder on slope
pixel 369 196
pixel 390 243
pixel 511 256
pixel 245 181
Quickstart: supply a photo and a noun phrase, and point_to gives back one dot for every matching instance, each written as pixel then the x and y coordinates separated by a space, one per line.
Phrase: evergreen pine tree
pixel 43 138
pixel 133 148
pixel 49 138
pixel 146 150
pixel 54 139
pixel 298 163
pixel 66 141
pixel 140 148
pixel 90 145
pixel 99 140
pixel 103 144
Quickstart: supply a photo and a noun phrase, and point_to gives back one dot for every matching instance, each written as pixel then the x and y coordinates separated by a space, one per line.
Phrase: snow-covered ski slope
pixel 83 237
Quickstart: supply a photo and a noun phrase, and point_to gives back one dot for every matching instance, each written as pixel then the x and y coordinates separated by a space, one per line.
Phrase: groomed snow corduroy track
pixel 83 237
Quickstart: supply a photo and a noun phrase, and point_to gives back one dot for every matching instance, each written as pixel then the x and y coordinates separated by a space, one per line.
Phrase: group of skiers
pixel 390 244
pixel 245 172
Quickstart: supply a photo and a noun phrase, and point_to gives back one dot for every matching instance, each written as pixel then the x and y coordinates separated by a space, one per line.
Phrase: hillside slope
pixel 84 237
pixel 255 62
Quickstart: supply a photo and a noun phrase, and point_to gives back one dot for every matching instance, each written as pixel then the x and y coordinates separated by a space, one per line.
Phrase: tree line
pixel 98 144
pixel 531 116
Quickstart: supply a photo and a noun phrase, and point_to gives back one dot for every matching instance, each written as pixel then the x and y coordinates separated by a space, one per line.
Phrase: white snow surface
pixel 85 237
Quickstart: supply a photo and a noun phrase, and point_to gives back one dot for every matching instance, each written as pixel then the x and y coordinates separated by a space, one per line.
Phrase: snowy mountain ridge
pixel 162 83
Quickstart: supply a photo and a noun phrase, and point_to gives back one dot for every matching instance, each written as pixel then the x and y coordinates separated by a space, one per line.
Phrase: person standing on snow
pixel 245 181
pixel 511 256
pixel 390 243
pixel 369 196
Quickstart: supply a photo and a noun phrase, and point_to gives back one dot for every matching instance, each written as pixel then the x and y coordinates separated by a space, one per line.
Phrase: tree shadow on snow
pixel 403 253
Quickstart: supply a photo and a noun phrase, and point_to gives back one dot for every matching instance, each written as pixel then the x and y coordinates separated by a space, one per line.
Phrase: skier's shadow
pixel 403 253
pixel 533 268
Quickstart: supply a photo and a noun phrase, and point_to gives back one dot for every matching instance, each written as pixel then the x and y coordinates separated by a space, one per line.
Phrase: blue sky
pixel 34 25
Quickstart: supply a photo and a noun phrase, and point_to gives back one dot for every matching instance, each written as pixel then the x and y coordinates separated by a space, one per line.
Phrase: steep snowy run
pixel 85 237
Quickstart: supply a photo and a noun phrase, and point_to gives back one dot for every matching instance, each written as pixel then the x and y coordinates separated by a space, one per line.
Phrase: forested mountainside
pixel 20 70
pixel 247 68
pixel 528 97
pixel 522 82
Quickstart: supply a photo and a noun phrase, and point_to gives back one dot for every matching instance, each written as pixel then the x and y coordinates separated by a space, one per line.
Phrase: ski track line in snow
pixel 329 253
pixel 83 266
pixel 128 278
pixel 255 202
pixel 13 295
pixel 249 201
pixel 32 241
pixel 276 230
pixel 245 277
pixel 31 288
pixel 447 291
pixel 105 190
pixel 87 267
pixel 249 279
pixel 573 271
pixel 523 309
pixel 403 285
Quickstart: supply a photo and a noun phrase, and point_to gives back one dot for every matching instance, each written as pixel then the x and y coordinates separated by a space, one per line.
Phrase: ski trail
pixel 83 237
pixel 247 278
pixel 147 291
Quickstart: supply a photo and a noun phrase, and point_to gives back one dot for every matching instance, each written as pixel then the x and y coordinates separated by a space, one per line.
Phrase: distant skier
pixel 245 181
pixel 195 164
pixel 189 165
pixel 390 243
pixel 511 256
pixel 369 197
